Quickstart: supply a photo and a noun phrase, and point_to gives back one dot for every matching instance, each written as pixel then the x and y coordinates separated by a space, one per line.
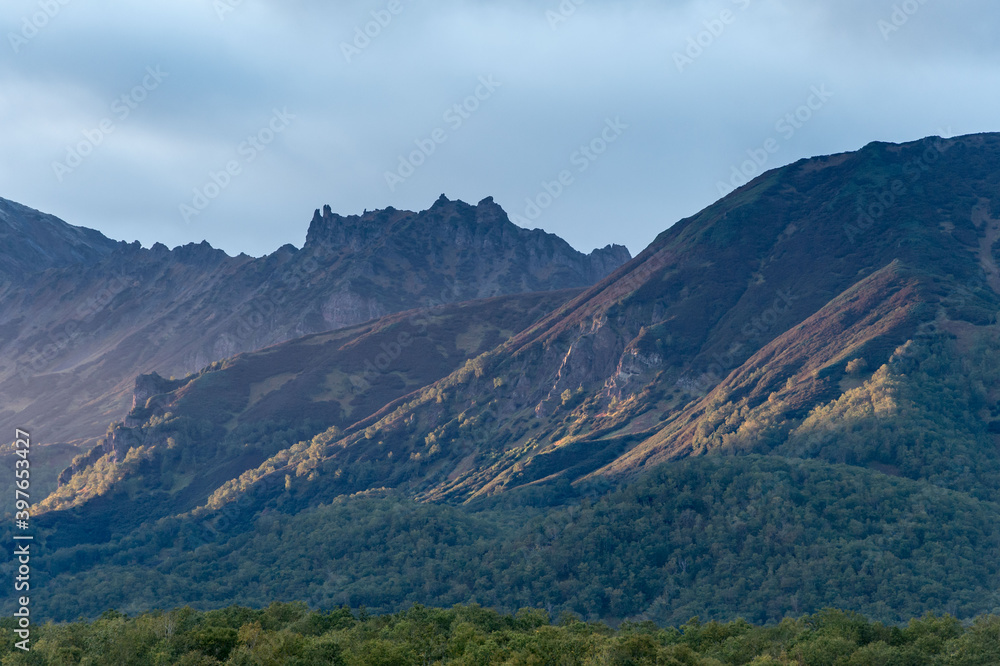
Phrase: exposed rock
pixel 146 386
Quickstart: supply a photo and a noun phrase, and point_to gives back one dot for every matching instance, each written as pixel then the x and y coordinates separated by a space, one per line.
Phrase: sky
pixel 231 121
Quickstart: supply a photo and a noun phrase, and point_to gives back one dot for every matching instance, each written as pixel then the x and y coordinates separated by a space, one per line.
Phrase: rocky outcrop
pixel 123 436
pixel 478 247
pixel 146 386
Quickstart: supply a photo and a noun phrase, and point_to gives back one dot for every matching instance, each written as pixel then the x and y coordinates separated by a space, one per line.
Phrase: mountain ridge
pixel 613 341
pixel 128 295
pixel 32 241
pixel 74 337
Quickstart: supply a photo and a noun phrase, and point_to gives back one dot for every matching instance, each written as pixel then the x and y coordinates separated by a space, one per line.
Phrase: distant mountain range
pixel 83 315
pixel 788 401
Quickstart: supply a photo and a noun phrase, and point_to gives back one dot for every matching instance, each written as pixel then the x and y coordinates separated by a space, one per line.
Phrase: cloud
pixel 560 81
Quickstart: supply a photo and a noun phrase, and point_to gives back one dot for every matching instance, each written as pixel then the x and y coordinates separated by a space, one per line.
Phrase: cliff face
pixel 97 313
pixel 477 249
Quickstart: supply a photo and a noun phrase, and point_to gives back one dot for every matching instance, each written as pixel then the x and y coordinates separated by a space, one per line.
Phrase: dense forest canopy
pixel 290 634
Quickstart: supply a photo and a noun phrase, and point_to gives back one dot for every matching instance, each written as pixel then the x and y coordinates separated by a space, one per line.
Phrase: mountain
pixel 95 313
pixel 32 242
pixel 477 246
pixel 727 333
pixel 786 402
pixel 185 438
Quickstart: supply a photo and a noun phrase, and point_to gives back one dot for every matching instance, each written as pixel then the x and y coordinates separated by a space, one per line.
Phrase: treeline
pixel 291 634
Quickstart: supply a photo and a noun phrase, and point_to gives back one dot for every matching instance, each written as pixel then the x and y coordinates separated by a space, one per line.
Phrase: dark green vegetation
pixel 781 405
pixel 756 537
pixel 291 635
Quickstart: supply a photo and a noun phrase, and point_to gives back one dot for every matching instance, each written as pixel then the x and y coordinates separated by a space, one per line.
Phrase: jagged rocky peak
pixel 453 232
pixel 200 253
pixel 356 231
pixel 353 232
pixel 610 257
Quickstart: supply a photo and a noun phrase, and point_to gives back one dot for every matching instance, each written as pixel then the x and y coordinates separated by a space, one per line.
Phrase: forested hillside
pixel 755 537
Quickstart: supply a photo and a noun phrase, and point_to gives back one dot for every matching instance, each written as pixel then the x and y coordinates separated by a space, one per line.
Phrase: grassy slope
pixel 236 414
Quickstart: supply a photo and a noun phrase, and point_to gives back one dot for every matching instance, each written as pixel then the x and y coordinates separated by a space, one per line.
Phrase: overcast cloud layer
pixel 231 121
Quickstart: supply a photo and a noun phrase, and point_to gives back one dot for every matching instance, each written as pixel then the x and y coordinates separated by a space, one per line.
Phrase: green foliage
pixel 474 635
pixel 922 415
pixel 856 366
pixel 762 538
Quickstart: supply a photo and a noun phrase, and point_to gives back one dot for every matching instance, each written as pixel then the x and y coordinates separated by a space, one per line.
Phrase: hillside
pixel 761 538
pixel 743 318
pixel 185 438
pixel 783 404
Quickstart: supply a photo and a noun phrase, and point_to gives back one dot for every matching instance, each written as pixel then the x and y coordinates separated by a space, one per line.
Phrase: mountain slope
pixel 631 359
pixel 74 338
pixel 185 438
pixel 798 369
pixel 782 404
pixel 770 286
pixel 32 242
